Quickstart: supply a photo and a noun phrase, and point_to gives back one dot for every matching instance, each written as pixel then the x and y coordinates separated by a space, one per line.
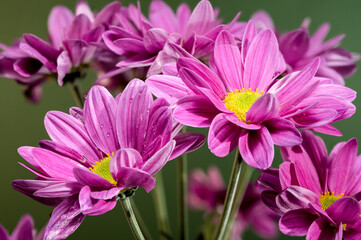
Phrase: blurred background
pixel 22 122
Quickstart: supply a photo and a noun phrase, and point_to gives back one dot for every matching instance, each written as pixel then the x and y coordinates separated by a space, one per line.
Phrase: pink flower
pixel 243 103
pixel 112 146
pixel 142 42
pixel 316 194
pixel 24 230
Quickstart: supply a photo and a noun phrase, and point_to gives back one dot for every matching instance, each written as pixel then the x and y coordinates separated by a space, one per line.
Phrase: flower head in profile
pixel 299 47
pixel 243 103
pixel 207 192
pixel 110 147
pixel 24 230
pixel 316 194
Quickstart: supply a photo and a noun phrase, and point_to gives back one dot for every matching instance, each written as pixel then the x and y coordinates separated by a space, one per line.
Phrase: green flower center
pixel 102 169
pixel 328 198
pixel 240 101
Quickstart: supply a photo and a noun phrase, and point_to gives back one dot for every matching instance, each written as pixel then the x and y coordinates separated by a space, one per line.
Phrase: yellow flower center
pixel 328 198
pixel 102 169
pixel 240 101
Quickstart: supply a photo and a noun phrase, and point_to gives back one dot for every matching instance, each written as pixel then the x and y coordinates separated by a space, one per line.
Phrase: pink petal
pixel 296 222
pixel 223 136
pixel 24 229
pixel 125 157
pixel 187 142
pixel 64 220
pixel 69 131
pixel 158 12
pixel 159 159
pixel 59 20
pixel 99 119
pixel 283 132
pixel 260 63
pixel 87 177
pixel 93 207
pixel 295 197
pixel 133 115
pixel 132 177
pixel 345 210
pixel 63 66
pixel 59 190
pixel 264 108
pixel 195 111
pixel 256 148
pixel 155 39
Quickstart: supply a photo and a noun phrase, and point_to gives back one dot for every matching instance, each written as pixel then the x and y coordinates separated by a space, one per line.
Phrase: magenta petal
pixel 169 87
pixel 295 197
pixel 283 132
pixel 345 210
pixel 64 66
pixel 201 20
pixel 55 165
pixel 106 194
pixel 64 220
pixel 158 12
pixel 294 45
pixel 107 13
pixel 249 34
pixel 133 115
pixel 79 27
pixel 69 131
pixel 195 111
pixel 154 39
pixel 125 157
pixel 187 142
pixel 59 19
pixel 27 154
pixel 321 230
pixel 228 61
pixel 256 148
pixel 3 233
pixel 63 189
pixel 24 229
pixel 296 222
pixel 93 207
pixel 287 175
pixel 62 150
pixel 159 159
pixel 342 172
pixel 223 136
pixel 87 177
pixel 260 63
pixel 133 177
pixel 99 119
pixel 264 108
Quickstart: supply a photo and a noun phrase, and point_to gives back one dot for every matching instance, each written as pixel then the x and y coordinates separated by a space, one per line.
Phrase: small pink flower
pixel 24 230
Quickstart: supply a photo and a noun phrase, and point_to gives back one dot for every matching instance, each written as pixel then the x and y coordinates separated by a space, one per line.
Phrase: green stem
pixel 132 220
pixel 142 225
pixel 182 194
pixel 78 97
pixel 230 197
pixel 160 204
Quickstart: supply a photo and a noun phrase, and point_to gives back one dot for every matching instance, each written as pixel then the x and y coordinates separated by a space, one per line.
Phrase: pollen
pixel 240 101
pixel 102 169
pixel 327 199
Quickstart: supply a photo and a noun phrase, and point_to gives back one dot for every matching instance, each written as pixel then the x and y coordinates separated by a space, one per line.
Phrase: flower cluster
pixel 250 85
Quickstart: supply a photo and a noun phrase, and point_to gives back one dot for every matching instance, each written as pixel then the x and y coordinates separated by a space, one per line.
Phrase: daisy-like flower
pixel 299 48
pixel 24 230
pixel 207 192
pixel 243 103
pixel 111 146
pixel 316 194
pixel 142 41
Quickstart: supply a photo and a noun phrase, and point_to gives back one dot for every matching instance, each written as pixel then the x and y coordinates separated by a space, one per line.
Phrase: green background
pixel 22 122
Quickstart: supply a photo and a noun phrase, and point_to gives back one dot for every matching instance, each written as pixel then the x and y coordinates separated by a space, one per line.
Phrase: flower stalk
pixel 160 204
pixel 132 220
pixel 233 185
pixel 182 194
pixel 78 97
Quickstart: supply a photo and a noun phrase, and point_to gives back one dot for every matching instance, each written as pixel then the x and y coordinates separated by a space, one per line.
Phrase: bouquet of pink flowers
pixel 160 75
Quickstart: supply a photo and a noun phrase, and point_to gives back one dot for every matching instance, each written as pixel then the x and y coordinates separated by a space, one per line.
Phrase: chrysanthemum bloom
pixel 207 193
pixel 141 41
pixel 109 147
pixel 299 48
pixel 74 43
pixel 315 193
pixel 243 103
pixel 23 231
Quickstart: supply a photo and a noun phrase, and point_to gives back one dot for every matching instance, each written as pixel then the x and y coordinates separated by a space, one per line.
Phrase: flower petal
pixel 99 119
pixel 256 147
pixel 296 222
pixel 187 142
pixel 132 177
pixel 264 108
pixel 93 207
pixel 345 210
pixel 133 115
pixel 67 130
pixel 59 19
pixel 64 220
pixel 125 157
pixel 87 177
pixel 283 132
pixel 223 136
pixel 63 189
pixel 295 197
